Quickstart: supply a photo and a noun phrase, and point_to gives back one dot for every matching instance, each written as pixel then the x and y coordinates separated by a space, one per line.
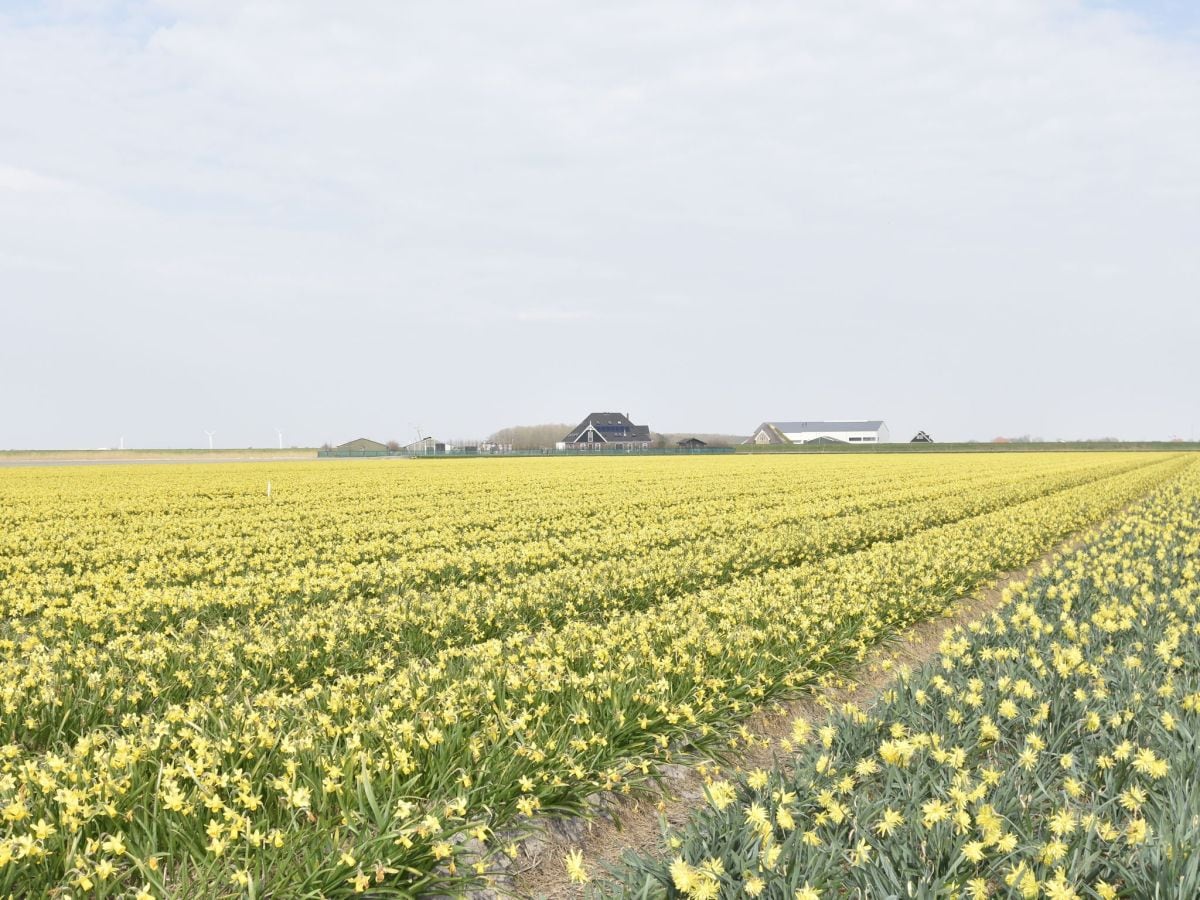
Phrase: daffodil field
pixel 373 678
pixel 1050 750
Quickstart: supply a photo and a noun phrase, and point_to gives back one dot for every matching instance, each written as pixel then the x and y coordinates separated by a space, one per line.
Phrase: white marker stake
pixel 268 489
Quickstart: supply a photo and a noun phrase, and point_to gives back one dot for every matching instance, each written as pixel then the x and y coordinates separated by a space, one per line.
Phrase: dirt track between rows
pixel 636 825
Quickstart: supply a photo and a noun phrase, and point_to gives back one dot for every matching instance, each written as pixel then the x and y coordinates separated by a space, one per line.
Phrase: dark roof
pixel 691 442
pixel 611 426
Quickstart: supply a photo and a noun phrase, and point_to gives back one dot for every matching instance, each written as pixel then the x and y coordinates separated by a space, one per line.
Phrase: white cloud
pixel 24 180
pixel 960 182
pixel 553 315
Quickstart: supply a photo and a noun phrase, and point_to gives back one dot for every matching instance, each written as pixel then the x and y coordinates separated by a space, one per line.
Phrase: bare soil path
pixel 624 824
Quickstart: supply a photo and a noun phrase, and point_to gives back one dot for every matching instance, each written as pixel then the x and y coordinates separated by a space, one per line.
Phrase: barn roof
pixel 610 424
pixel 857 425
pixel 363 441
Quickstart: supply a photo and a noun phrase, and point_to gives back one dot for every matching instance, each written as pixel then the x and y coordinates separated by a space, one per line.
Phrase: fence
pixel 452 454
pixel 976 447
pixel 329 454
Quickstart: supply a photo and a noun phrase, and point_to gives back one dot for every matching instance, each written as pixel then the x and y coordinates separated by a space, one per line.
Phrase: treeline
pixel 532 437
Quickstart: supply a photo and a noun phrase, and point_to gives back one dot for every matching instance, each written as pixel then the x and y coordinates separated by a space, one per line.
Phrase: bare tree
pixel 531 437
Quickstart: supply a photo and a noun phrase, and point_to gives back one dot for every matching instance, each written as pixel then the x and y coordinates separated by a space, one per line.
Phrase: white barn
pixel 862 431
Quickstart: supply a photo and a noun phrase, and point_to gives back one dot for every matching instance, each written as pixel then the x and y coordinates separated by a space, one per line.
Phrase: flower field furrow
pixel 286 725
pixel 1050 751
pixel 276 651
pixel 179 587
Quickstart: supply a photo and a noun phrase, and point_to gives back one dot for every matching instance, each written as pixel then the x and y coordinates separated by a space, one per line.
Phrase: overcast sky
pixel 973 218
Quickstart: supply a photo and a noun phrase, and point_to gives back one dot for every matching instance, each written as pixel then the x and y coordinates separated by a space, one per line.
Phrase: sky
pixel 971 218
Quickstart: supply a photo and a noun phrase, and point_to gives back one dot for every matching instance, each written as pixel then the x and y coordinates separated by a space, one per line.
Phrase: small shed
pixel 921 438
pixel 691 444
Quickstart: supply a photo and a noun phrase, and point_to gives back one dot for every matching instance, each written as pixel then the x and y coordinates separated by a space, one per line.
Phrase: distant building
pixel 361 444
pixel 607 431
pixel 921 438
pixel 861 431
pixel 691 444
pixel 426 446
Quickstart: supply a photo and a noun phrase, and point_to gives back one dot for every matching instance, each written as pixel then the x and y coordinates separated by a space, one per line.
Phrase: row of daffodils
pixel 1050 750
pixel 372 679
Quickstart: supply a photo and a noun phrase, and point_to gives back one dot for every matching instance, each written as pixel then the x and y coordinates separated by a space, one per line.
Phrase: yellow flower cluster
pixel 1049 750
pixel 356 682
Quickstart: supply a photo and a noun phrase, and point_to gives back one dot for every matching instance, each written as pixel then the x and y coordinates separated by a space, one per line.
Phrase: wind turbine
pixel 279 431
pixel 210 437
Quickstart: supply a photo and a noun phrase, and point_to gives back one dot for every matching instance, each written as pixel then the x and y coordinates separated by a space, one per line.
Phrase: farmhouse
pixel 361 444
pixel 607 431
pixel 868 431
